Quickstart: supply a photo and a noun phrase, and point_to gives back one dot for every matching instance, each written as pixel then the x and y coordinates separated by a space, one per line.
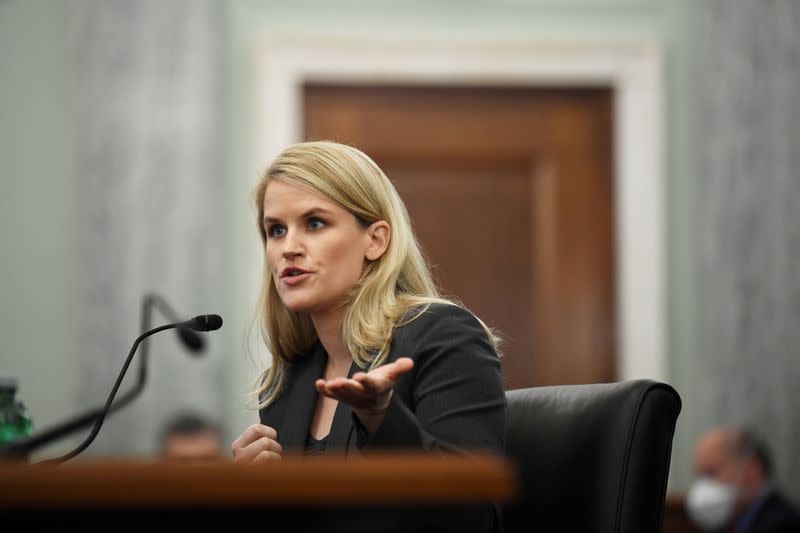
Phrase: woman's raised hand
pixel 257 444
pixel 368 394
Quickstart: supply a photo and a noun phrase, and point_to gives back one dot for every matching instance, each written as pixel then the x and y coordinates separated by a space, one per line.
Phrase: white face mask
pixel 710 503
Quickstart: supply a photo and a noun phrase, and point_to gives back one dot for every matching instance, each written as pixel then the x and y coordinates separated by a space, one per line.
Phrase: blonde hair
pixel 388 288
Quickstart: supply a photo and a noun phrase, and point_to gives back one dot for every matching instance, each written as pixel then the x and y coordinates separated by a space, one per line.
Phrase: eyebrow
pixel 311 212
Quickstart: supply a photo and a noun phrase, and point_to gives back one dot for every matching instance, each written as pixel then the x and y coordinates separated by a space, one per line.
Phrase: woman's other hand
pixel 257 444
pixel 368 394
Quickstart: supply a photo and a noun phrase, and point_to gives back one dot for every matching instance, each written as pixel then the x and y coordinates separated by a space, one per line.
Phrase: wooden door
pixel 510 191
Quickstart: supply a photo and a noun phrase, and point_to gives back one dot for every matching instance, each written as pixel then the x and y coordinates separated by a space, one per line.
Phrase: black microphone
pixel 204 323
pixel 194 343
pixel 189 338
pixel 209 322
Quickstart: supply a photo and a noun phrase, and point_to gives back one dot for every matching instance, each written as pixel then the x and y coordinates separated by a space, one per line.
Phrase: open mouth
pixel 293 272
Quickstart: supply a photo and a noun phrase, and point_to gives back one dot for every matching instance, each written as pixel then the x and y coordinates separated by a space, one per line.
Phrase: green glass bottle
pixel 15 422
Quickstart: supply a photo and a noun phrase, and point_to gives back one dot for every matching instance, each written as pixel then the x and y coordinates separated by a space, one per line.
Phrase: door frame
pixel 631 67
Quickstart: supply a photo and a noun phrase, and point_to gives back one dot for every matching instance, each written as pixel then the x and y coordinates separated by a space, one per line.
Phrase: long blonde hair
pixel 389 286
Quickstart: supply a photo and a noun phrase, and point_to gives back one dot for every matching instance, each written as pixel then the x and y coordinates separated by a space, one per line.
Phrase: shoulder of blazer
pixel 420 321
pixel 777 510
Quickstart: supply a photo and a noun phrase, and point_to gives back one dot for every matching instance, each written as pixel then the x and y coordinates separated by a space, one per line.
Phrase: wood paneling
pixel 510 192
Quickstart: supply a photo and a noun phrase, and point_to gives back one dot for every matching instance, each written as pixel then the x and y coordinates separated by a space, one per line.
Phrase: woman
pixel 366 354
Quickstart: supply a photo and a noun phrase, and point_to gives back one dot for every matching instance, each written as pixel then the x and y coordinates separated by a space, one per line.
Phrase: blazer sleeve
pixel 453 399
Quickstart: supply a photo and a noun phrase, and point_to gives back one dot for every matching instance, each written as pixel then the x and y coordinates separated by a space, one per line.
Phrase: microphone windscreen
pixel 205 323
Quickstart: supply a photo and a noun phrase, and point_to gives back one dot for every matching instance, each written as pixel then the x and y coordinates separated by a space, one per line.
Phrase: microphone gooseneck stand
pixel 198 323
pixel 194 343
pixel 99 422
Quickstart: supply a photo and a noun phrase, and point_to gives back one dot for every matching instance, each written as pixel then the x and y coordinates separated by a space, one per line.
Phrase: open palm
pixel 368 394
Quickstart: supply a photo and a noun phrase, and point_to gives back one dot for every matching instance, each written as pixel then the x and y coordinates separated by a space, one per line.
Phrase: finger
pixel 328 394
pixel 391 372
pixel 253 433
pixel 252 450
pixel 398 368
pixel 267 456
pixel 336 384
pixel 345 385
pixel 373 384
pixel 323 387
pixel 345 390
pixel 350 392
pixel 270 445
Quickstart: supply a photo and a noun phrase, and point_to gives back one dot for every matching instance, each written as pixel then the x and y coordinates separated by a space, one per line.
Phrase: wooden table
pixel 297 493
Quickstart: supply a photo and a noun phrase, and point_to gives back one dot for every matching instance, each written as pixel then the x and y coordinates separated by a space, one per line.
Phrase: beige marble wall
pixel 746 138
pixel 149 203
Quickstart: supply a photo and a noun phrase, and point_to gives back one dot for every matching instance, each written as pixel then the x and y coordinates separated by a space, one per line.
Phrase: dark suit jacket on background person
pixel 772 515
pixel 452 401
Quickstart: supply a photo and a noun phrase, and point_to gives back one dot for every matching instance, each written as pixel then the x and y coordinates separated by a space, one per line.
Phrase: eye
pixel 315 223
pixel 276 230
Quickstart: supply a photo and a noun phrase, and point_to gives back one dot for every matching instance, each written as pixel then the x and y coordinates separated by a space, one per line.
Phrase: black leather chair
pixel 591 458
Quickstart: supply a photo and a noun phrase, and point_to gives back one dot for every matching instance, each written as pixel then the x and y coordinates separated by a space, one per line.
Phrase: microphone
pixel 198 323
pixel 189 338
pixel 204 323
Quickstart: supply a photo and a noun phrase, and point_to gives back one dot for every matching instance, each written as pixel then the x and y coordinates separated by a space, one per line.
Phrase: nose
pixel 292 245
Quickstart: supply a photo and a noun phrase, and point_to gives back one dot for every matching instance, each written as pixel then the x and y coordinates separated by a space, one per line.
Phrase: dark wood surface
pixel 294 491
pixel 324 494
pixel 391 479
pixel 510 190
pixel 675 518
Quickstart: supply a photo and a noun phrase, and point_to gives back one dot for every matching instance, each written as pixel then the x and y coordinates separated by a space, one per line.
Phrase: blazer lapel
pixel 302 397
pixel 342 425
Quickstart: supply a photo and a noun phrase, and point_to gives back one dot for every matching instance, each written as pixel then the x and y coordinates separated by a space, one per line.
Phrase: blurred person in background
pixel 366 355
pixel 734 492
pixel 191 437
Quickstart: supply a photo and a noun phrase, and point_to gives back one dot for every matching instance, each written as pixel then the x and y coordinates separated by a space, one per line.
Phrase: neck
pixel 329 330
pixel 754 491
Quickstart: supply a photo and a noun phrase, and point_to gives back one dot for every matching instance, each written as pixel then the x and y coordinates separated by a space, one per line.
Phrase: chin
pixel 296 306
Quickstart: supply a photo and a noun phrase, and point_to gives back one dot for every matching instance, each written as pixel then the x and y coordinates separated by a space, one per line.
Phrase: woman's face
pixel 315 248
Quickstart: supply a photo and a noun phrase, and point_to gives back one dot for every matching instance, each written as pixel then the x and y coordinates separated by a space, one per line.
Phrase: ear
pixel 380 234
pixel 753 472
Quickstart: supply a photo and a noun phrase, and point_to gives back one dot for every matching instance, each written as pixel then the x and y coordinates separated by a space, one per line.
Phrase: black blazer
pixel 451 401
pixel 775 516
